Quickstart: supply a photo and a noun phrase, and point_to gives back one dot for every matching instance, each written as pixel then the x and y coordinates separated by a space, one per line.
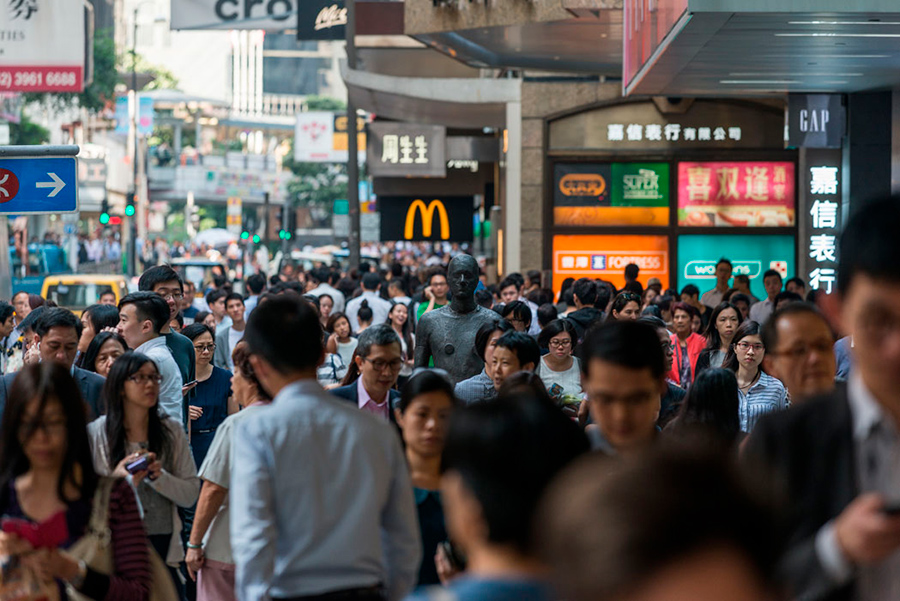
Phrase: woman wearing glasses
pixel 759 393
pixel 136 441
pixel 559 369
pixel 212 396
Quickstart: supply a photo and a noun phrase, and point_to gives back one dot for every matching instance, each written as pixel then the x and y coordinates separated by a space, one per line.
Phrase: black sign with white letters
pixel 321 20
pixel 815 120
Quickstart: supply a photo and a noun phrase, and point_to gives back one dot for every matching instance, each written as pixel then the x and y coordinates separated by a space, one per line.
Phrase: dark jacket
pixel 583 319
pixel 351 393
pixel 89 384
pixel 809 450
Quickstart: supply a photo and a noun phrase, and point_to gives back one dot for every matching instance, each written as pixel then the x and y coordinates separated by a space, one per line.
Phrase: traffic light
pixel 245 235
pixel 129 204
pixel 256 238
pixel 104 211
pixel 284 234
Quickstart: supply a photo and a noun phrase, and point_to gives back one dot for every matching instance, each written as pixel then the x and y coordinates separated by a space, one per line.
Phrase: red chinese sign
pixel 737 194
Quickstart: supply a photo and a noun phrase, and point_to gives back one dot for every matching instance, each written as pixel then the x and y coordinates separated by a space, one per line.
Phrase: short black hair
pixel 517 310
pixel 586 291
pixel 507 282
pixel 632 271
pixel 787 295
pixel 371 281
pixel 797 281
pixel 870 245
pixel 57 317
pixel 276 326
pixel 179 319
pixel 106 291
pixel 484 298
pixel 725 261
pixel 690 290
pixel 608 528
pixel 6 311
pixel 256 283
pixel 518 277
pixel 555 328
pixel 630 344
pixel 534 276
pixel 769 332
pixel 740 298
pixel 547 313
pixel 523 346
pixel 102 316
pixel 605 292
pixel 234 296
pixel 771 272
pixel 194 330
pixel 422 383
pixel 213 296
pixel 378 335
pixel 148 305
pixel 157 275
pixel 622 300
pixel 486 331
pixel 507 452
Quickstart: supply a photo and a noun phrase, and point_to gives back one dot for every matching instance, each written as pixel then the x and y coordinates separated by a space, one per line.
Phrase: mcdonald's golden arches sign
pixel 426 218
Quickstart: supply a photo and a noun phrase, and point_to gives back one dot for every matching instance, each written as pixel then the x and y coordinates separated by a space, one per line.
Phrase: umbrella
pixel 215 236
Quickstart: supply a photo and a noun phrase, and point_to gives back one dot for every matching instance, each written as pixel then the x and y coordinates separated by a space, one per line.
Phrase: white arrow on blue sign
pixel 35 185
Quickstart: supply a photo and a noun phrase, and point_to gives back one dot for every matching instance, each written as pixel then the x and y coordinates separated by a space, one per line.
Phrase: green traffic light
pixel 129 210
pixel 245 235
pixel 288 235
pixel 104 218
pixel 256 239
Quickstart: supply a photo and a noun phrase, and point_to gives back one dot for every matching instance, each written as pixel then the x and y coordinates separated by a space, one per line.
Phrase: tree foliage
pixel 28 133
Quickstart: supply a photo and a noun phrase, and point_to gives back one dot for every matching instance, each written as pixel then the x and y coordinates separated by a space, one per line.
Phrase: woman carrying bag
pixel 134 440
pixel 48 493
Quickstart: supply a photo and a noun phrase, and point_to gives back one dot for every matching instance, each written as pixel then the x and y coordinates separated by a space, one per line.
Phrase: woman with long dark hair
pixel 135 429
pixel 710 409
pixel 423 413
pixel 725 320
pixel 95 319
pixel 398 318
pixel 626 305
pixel 759 393
pixel 212 396
pixel 47 476
pixel 103 351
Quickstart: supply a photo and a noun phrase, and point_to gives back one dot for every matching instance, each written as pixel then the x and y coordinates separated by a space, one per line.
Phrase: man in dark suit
pixel 836 457
pixel 379 360
pixel 57 332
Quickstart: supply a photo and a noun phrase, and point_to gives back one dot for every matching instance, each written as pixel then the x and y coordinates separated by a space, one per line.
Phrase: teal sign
pixel 750 255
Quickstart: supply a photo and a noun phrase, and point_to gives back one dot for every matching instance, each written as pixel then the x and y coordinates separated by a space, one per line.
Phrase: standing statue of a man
pixel 448 334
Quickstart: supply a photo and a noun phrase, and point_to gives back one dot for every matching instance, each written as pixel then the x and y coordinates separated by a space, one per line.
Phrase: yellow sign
pixel 427 216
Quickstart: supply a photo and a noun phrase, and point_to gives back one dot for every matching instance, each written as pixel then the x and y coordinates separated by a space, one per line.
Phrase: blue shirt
pixel 321 500
pixel 495 589
pixel 212 396
pixel 477 388
pixel 768 394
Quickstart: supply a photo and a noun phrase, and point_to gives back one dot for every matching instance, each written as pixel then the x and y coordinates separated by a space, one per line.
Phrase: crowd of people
pixel 388 433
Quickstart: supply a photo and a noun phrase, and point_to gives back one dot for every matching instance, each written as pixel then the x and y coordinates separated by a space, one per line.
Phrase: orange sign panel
pixel 605 258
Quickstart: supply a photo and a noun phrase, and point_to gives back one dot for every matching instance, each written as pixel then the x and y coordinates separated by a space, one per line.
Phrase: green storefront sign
pixel 640 185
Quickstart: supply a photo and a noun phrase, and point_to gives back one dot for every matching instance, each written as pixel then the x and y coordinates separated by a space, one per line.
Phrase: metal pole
pixel 132 221
pixel 285 225
pixel 5 272
pixel 265 236
pixel 352 152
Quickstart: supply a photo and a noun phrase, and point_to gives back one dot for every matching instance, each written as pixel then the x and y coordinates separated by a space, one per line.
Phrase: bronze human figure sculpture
pixel 448 334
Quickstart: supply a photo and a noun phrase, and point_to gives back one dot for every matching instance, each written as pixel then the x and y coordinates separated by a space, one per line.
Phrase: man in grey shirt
pixel 321 500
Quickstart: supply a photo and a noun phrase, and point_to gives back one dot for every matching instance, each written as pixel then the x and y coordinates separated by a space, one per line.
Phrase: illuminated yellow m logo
pixel 427 217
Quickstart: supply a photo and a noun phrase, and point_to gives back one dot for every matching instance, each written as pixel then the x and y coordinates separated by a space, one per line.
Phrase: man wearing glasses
pixel 379 360
pixel 164 281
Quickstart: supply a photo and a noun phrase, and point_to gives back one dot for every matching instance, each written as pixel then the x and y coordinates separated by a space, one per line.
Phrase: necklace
pixel 747 387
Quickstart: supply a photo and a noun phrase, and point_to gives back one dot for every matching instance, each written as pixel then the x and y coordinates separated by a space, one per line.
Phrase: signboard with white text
pixel 820 217
pixel 322 20
pixel 407 150
pixel 42 45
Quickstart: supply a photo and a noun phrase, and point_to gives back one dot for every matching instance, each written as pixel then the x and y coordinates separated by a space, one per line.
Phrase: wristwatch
pixel 78 581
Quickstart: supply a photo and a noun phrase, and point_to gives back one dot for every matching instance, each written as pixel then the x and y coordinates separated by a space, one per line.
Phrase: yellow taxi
pixel 77 292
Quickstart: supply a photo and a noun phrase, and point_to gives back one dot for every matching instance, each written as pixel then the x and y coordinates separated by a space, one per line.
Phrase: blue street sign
pixel 35 184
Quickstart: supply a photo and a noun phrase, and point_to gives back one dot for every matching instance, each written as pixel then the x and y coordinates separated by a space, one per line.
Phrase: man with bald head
pixel 447 335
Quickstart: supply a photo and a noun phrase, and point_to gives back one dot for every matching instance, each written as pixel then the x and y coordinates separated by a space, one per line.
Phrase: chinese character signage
pixel 611 194
pixel 821 217
pixel 750 255
pixel 736 194
pixel 606 257
pixel 426 218
pixel 407 150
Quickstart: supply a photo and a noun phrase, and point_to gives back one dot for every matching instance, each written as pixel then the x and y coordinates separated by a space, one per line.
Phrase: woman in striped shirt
pixel 47 481
pixel 758 392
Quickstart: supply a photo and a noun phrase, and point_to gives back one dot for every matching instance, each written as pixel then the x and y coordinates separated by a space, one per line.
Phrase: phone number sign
pixel 41 79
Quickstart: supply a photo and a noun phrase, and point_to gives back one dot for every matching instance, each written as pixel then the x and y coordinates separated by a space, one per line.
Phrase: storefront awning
pixel 465 103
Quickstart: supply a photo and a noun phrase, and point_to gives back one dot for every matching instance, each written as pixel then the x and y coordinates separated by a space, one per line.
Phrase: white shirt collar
pixel 865 410
pixel 151 344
